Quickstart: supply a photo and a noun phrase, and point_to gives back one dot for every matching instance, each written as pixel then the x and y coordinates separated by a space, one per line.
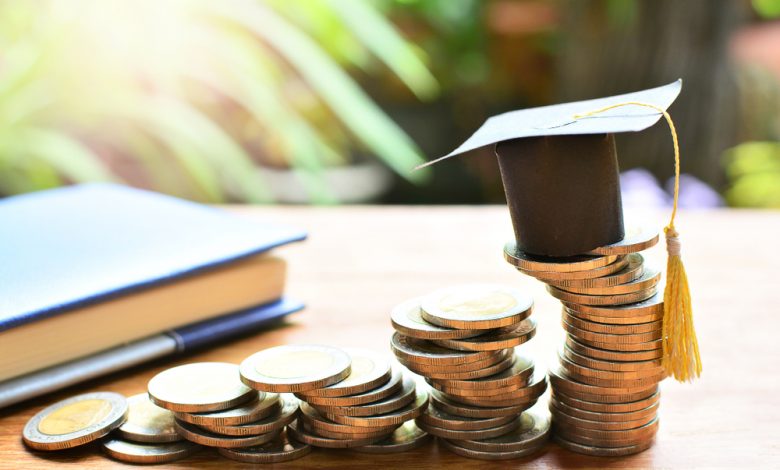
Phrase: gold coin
pixel 622 329
pixel 75 421
pixel 614 366
pixel 494 340
pixel 562 382
pixel 452 407
pixel 467 434
pixel 436 417
pixel 603 451
pixel 368 371
pixel 388 388
pixel 639 341
pixel 396 401
pixel 407 437
pixel 607 355
pixel 644 413
pixel 254 410
pixel 551 277
pixel 148 453
pixel 297 432
pixel 595 407
pixel 407 319
pixel 295 368
pixel 201 436
pixel 652 306
pixel 601 437
pixel 319 422
pixel 470 367
pixel 424 352
pixel 493 369
pixel 532 431
pixel 147 422
pixel 611 321
pixel 277 420
pixel 454 447
pixel 636 239
pixel 529 262
pixel 395 417
pixel 355 432
pixel 565 419
pixel 198 387
pixel 632 270
pixel 535 388
pixel 611 300
pixel 575 371
pixel 476 307
pixel 281 449
pixel 648 280
pixel 517 374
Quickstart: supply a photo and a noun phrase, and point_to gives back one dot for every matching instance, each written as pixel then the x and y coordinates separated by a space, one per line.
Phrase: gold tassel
pixel 680 347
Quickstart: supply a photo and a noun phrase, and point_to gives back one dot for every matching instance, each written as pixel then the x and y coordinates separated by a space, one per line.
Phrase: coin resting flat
pixel 295 368
pixel 476 306
pixel 199 387
pixel 75 421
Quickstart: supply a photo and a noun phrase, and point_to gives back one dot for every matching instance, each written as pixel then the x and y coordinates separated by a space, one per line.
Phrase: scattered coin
pixel 199 387
pixel 407 437
pixel 295 368
pixel 407 319
pixel 476 307
pixel 75 421
pixel 147 422
pixel 148 453
pixel 281 449
pixel 254 410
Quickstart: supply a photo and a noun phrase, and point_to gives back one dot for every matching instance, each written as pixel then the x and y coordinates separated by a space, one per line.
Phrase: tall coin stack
pixel 462 340
pixel 351 398
pixel 605 391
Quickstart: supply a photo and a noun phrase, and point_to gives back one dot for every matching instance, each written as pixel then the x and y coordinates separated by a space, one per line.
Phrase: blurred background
pixel 335 101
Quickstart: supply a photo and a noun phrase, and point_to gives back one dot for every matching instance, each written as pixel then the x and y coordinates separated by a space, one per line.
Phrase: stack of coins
pixel 463 340
pixel 351 398
pixel 605 391
pixel 213 408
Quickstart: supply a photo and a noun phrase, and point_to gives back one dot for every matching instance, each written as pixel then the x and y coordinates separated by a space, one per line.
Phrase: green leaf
pixel 347 100
pixel 379 36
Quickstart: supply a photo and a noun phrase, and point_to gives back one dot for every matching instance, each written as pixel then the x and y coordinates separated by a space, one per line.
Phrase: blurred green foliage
pixel 767 8
pixel 754 171
pixel 190 96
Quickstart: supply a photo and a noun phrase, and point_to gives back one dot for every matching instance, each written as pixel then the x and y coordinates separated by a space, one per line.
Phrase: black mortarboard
pixel 560 170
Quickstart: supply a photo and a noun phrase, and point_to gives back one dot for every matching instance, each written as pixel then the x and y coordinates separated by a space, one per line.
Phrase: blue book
pixel 87 268
pixel 180 340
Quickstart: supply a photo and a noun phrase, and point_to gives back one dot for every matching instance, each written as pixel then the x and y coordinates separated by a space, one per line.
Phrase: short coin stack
pixel 213 408
pixel 462 340
pixel 352 398
pixel 605 392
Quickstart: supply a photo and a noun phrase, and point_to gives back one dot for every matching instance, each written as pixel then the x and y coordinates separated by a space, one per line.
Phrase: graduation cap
pixel 559 168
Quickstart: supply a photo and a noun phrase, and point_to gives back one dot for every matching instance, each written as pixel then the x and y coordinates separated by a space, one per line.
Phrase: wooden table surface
pixel 361 261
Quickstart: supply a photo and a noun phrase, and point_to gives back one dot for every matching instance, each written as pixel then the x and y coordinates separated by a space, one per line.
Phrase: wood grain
pixel 360 261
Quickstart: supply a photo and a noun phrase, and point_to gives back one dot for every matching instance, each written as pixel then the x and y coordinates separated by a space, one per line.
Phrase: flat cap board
pixel 559 119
